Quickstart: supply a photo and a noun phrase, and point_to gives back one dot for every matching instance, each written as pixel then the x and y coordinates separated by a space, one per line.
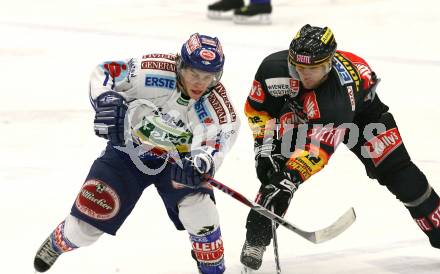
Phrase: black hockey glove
pixel 194 168
pixel 278 192
pixel 267 161
pixel 110 109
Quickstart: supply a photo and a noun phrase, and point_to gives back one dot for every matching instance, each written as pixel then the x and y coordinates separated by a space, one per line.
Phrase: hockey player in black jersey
pixel 304 102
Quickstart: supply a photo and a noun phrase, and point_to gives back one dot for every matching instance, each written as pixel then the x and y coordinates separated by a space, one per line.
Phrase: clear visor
pixel 195 76
pixel 292 71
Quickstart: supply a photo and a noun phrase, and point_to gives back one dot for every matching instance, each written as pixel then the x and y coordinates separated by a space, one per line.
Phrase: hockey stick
pixel 318 236
pixel 275 245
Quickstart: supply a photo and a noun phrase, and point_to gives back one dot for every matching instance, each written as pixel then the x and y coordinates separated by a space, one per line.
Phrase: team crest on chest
pixel 311 107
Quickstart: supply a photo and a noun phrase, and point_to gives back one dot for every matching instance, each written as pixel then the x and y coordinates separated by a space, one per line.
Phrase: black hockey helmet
pixel 312 46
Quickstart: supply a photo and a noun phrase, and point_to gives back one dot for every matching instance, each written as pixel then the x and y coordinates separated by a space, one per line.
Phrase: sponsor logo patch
pixel 182 102
pixel 171 57
pixel 351 96
pixel 424 224
pixel 344 76
pixel 160 81
pixel 207 55
pixel 311 106
pixel 117 70
pixel 434 217
pixel 294 87
pixel 218 108
pixel 343 66
pixel 278 87
pixel 307 163
pixel 166 131
pixel 208 249
pixel 208 41
pixel 382 145
pixel 286 122
pixel 202 113
pixel 220 89
pixel 327 135
pixel 327 36
pixel 193 44
pixel 303 59
pixel 60 241
pixel 365 73
pixel 257 93
pixel 131 69
pixel 97 200
pixel 158 65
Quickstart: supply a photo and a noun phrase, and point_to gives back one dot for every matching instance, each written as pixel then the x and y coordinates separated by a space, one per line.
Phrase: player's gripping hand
pixel 278 192
pixel 267 162
pixel 110 109
pixel 194 168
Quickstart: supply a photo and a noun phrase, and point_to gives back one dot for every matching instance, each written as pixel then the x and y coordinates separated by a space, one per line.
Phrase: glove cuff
pixel 108 98
pixel 204 160
pixel 266 147
pixel 264 150
pixel 284 180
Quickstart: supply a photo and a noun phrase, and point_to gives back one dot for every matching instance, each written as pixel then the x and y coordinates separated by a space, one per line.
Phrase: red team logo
pixel 207 54
pixel 60 241
pixel 351 96
pixel 115 69
pixel 209 252
pixel 257 93
pixel 426 224
pixel 97 200
pixel 303 59
pixel 294 87
pixel 193 43
pixel 287 122
pixel 311 106
pixel 329 136
pixel 218 108
pixel 365 73
pixel 382 145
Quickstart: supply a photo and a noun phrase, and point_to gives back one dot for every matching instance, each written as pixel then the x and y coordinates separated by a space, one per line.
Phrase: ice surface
pixel 48 48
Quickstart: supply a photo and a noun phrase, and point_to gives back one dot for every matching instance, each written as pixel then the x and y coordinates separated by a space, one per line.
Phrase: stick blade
pixel 330 232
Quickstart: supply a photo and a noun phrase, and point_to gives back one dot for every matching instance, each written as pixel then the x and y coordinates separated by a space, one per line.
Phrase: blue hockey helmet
pixel 204 53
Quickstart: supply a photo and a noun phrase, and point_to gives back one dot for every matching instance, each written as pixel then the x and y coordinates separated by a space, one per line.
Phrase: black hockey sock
pixel 427 217
pixel 258 229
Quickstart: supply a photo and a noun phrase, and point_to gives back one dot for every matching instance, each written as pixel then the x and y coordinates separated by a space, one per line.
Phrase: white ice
pixel 47 144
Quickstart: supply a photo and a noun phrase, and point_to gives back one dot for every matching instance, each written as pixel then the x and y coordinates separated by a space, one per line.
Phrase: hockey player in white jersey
pixel 169 122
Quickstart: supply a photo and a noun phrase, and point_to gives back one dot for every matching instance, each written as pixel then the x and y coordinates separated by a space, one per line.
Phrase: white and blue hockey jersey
pixel 159 116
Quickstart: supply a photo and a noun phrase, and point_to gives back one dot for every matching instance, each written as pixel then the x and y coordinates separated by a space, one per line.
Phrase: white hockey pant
pixel 199 216
pixel 73 233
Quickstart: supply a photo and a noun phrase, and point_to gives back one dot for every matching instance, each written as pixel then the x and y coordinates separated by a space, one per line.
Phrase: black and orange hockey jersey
pixel 309 124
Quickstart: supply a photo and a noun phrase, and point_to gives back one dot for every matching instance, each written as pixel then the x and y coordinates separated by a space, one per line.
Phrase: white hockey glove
pixel 194 168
